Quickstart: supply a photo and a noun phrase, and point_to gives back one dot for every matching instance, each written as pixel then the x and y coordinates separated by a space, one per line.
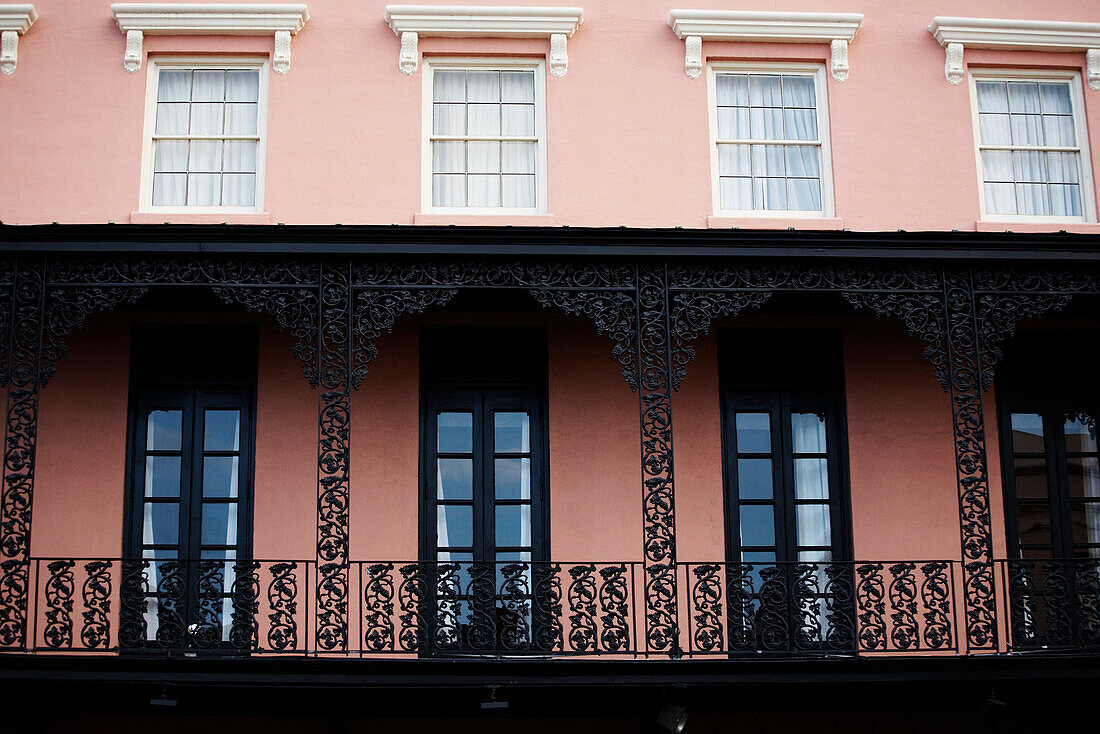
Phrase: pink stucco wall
pixel 627 130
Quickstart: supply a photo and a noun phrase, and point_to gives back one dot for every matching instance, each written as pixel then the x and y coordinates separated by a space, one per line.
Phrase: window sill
pixel 486 220
pixel 1037 227
pixel 205 218
pixel 819 223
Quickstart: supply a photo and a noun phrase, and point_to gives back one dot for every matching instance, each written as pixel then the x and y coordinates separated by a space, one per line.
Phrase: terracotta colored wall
pixel 627 130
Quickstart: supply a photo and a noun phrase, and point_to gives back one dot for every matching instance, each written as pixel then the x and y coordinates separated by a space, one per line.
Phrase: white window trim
pixel 505 64
pixel 818 72
pixel 193 62
pixel 1088 189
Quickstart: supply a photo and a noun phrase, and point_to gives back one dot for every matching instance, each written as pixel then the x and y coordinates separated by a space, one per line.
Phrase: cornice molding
pixel 411 22
pixel 281 20
pixel 955 34
pixel 15 20
pixel 696 26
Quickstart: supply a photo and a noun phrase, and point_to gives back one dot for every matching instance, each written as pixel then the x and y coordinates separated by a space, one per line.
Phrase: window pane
pixel 1086 526
pixel 1027 433
pixel 206 156
pixel 219 476
pixel 219 523
pixel 803 194
pixel 170 155
pixel 754 433
pixel 242 86
pixel 803 161
pixel 1032 199
pixel 448 190
pixel 734 160
pixel 1031 478
pixel 239 155
pixel 1080 430
pixel 206 118
pixel 454 479
pixel 997 165
pixel 448 157
pixel 1030 166
pixel 483 119
pixel 769 193
pixel 482 190
pixel 174 86
pixel 169 189
pixel 754 479
pixel 735 193
pixel 733 122
pixel 204 189
pixel 517 157
pixel 1055 99
pixel 811 479
pixel 513 479
pixel 1023 97
pixel 449 119
pixel 1034 519
pixel 513 525
pixel 765 90
pixel 1065 200
pixel 815 556
pixel 483 157
pixel 766 123
pixel 172 118
pixel 798 91
pixel 164 429
pixel 768 160
pixel 517 191
pixel 209 86
pixel 1027 130
pixel 813 525
pixel 757 525
pixel 161 523
pixel 455 433
pixel 1062 167
pixel 757 557
pixel 800 124
pixel 1058 130
pixel 995 129
pixel 455 526
pixel 239 189
pixel 162 476
pixel 1084 477
pixel 518 119
pixel 808 433
pixel 992 97
pixel 1000 198
pixel 511 432
pixel 449 86
pixel 517 86
pixel 483 86
pixel 732 89
pixel 240 119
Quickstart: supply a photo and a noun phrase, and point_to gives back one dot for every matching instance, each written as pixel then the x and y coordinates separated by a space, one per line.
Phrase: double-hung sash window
pixel 486 137
pixel 1032 147
pixel 770 151
pixel 205 139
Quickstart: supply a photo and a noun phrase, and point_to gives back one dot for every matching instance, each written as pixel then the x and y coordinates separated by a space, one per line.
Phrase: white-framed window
pixel 1032 146
pixel 205 134
pixel 770 141
pixel 484 137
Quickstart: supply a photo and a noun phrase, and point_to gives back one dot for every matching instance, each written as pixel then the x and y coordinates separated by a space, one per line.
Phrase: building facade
pixel 411 366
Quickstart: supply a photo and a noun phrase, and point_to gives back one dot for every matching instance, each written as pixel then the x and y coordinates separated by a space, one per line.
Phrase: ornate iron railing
pixel 440 609
pixel 1053 604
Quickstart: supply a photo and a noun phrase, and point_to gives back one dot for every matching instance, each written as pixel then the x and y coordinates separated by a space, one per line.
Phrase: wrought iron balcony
pixel 497 610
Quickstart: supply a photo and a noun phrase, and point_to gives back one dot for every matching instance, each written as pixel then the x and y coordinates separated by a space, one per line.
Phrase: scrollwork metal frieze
pixel 295 311
pixel 376 312
pixel 998 315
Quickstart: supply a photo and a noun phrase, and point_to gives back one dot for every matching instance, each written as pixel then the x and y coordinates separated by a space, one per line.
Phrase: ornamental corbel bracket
pixel 280 20
pixel 412 22
pixel 695 26
pixel 956 34
pixel 15 20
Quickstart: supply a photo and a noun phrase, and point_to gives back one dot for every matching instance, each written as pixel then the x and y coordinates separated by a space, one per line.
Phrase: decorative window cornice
pixel 410 22
pixel 282 20
pixel 1029 35
pixel 15 20
pixel 696 26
